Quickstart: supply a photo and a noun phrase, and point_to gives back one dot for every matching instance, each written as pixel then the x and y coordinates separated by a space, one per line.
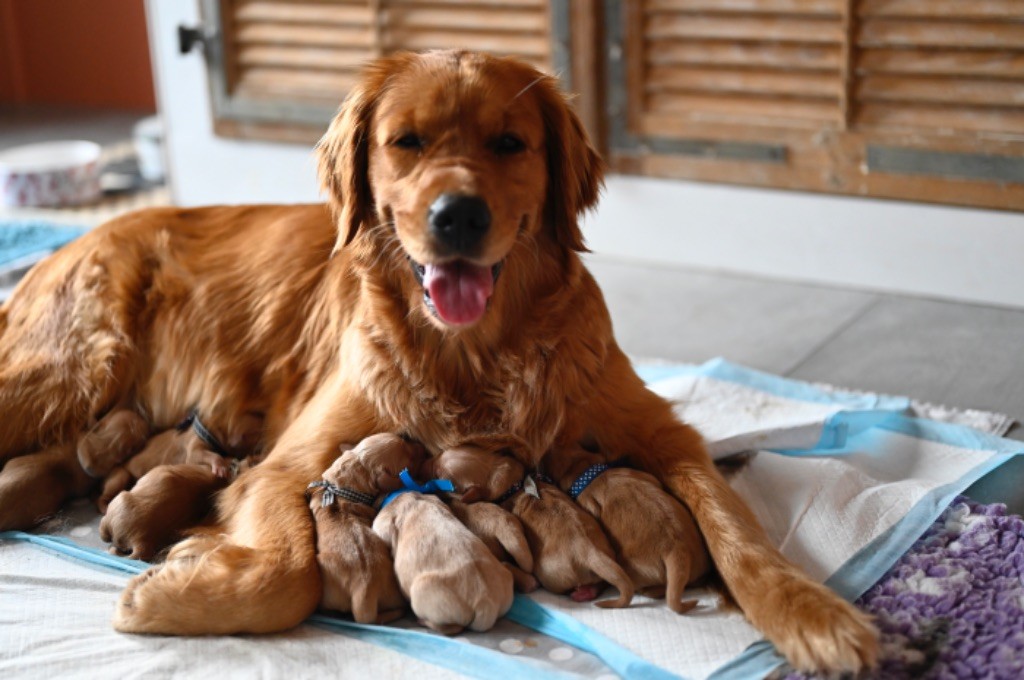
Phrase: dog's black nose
pixel 459 222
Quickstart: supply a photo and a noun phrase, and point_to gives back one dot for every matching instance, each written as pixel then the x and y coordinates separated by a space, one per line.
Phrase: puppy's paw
pixel 817 631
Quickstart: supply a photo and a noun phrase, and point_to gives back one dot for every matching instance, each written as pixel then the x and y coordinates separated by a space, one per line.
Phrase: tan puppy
pixel 449 576
pixel 172 447
pixel 31 489
pixel 118 436
pixel 482 477
pixel 570 551
pixel 355 563
pixel 155 514
pixel 653 534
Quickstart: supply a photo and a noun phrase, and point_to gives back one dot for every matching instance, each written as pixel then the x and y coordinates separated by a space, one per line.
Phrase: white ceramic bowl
pixel 50 174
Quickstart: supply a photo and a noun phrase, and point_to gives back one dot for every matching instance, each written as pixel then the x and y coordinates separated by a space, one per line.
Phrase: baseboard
pixel 911 248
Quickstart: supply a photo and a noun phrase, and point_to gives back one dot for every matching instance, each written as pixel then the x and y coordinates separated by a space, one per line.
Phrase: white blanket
pixel 857 483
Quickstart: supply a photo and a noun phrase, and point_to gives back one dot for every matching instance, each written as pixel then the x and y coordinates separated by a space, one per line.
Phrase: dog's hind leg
pixel 677 574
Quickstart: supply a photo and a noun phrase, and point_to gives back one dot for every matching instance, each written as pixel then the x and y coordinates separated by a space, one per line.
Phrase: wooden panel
pixel 762 108
pixel 356 13
pixel 301 57
pixel 751 81
pixel 292 84
pixel 942 118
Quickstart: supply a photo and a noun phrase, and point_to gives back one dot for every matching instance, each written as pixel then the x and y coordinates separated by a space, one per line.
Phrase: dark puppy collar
pixel 332 493
pixel 207 437
pixel 584 480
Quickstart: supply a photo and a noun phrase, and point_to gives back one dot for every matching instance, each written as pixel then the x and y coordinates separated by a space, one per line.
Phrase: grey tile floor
pixel 955 354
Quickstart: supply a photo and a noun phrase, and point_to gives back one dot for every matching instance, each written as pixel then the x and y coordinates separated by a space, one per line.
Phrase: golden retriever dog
pixel 653 535
pixel 355 563
pixel 441 294
pixel 451 579
pixel 166 502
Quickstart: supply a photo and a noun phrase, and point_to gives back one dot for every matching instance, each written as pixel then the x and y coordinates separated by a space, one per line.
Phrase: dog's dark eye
pixel 409 141
pixel 506 145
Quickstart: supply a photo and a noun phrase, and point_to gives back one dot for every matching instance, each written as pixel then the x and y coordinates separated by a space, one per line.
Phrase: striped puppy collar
pixel 332 493
pixel 204 434
pixel 584 480
pixel 512 491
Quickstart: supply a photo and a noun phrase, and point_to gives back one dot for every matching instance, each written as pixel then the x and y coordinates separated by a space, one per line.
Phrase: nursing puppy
pixel 167 448
pixel 449 576
pixel 355 563
pixel 155 514
pixel 654 536
pixel 118 436
pixel 31 489
pixel 571 554
pixel 499 529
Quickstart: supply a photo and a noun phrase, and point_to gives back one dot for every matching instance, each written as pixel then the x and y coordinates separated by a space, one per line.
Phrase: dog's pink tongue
pixel 459 290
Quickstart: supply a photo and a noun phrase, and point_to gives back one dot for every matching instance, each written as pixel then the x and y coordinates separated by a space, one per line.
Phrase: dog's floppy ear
pixel 343 153
pixel 575 169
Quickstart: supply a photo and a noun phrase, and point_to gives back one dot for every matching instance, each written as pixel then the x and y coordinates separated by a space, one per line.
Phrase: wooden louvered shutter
pixel 919 99
pixel 279 68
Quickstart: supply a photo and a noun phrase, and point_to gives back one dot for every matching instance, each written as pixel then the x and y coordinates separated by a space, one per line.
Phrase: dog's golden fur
pixel 232 308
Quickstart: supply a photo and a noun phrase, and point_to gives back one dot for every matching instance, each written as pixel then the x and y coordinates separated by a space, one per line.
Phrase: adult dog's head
pixel 462 157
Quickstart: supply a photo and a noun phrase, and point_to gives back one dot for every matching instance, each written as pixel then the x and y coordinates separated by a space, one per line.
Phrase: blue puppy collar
pixel 409 484
pixel 584 480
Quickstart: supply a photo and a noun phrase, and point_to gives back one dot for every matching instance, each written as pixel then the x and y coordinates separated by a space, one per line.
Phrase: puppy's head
pixel 458 157
pixel 375 463
pixel 478 474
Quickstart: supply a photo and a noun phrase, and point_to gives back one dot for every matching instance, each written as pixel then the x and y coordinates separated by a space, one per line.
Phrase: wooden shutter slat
pixel 354 13
pixel 531 4
pixel 697 105
pixel 666 79
pixel 309 85
pixel 992 64
pixel 833 7
pixel 498 20
pixel 329 36
pixel 301 57
pixel 509 43
pixel 745 28
pixel 939 90
pixel 941 118
pixel 754 55
pixel 954 34
pixel 946 9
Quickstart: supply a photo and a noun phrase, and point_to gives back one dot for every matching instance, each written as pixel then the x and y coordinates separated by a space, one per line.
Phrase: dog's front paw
pixel 817 631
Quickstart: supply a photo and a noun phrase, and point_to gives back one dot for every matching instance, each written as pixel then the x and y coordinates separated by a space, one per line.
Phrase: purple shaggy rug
pixel 953 606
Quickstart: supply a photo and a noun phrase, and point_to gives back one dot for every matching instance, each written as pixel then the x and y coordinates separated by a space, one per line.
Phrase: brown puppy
pixel 654 536
pixel 451 579
pixel 167 448
pixel 482 477
pixel 165 502
pixel 355 563
pixel 377 314
pixel 117 437
pixel 32 489
pixel 571 554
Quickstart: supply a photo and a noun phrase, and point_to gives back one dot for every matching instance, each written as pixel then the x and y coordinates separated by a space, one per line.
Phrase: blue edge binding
pixel 862 415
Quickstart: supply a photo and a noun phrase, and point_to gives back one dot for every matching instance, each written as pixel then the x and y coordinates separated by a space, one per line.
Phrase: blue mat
pixel 19 239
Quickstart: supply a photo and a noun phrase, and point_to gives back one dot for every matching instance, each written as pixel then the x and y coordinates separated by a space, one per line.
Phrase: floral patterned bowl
pixel 50 174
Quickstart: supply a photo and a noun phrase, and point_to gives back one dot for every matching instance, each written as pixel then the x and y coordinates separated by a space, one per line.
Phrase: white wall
pixel 957 253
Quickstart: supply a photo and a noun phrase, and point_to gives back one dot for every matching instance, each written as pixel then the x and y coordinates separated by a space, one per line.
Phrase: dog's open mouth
pixel 457 292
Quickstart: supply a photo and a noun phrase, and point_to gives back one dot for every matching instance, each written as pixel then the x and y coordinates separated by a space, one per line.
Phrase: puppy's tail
pixel 677 575
pixel 609 570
